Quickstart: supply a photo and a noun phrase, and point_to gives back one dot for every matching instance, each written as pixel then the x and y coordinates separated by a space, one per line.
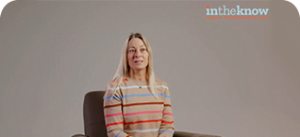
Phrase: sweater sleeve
pixel 113 113
pixel 167 126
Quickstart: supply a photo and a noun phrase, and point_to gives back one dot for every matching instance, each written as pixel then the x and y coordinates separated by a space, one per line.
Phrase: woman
pixel 136 102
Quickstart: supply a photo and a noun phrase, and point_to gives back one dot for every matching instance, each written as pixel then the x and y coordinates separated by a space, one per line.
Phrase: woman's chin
pixel 139 68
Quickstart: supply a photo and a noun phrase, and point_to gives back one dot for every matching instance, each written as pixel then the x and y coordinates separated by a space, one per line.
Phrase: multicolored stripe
pixel 135 86
pixel 135 95
pixel 165 131
pixel 146 130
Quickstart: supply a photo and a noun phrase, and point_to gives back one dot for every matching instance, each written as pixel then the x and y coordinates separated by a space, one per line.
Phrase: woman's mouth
pixel 138 61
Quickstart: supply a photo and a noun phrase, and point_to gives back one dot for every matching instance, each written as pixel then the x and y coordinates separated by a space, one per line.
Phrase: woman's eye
pixel 143 49
pixel 132 50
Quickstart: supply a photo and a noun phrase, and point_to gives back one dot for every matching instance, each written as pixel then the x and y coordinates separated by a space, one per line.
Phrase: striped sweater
pixel 133 111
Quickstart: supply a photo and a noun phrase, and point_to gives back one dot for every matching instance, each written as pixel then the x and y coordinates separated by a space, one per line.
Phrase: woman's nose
pixel 137 53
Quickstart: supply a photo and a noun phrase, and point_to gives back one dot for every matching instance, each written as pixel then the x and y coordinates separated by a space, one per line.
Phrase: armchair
pixel 94 122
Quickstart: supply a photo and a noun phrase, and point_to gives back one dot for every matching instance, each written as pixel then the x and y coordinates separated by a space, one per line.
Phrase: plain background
pixel 234 78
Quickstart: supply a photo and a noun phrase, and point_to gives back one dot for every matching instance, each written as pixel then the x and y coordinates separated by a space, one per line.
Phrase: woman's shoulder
pixel 114 83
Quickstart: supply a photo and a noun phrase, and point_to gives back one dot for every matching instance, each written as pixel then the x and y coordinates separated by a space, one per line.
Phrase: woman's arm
pixel 113 113
pixel 167 126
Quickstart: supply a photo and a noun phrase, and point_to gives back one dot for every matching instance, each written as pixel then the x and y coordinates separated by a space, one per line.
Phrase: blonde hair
pixel 124 68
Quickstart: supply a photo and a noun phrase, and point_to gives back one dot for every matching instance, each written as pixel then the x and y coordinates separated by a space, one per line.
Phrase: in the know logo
pixel 236 13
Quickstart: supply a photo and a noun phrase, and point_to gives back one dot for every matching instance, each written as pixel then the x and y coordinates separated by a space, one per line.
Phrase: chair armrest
pixel 79 135
pixel 188 134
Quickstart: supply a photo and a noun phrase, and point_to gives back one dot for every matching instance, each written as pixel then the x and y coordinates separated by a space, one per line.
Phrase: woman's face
pixel 137 54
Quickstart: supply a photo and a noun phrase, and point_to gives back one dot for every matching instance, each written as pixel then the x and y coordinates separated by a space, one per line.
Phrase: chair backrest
pixel 93 114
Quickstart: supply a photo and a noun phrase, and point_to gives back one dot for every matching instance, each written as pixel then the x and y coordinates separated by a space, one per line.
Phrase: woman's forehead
pixel 135 46
pixel 135 42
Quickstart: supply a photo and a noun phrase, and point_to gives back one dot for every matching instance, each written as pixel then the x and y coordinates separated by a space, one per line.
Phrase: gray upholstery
pixel 94 122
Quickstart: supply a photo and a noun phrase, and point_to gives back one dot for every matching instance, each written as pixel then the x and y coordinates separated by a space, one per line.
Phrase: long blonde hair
pixel 124 68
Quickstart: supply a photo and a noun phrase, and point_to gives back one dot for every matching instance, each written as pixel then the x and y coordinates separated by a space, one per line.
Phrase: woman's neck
pixel 139 75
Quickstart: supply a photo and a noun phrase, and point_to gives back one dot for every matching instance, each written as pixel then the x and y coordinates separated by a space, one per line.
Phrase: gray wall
pixel 234 78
